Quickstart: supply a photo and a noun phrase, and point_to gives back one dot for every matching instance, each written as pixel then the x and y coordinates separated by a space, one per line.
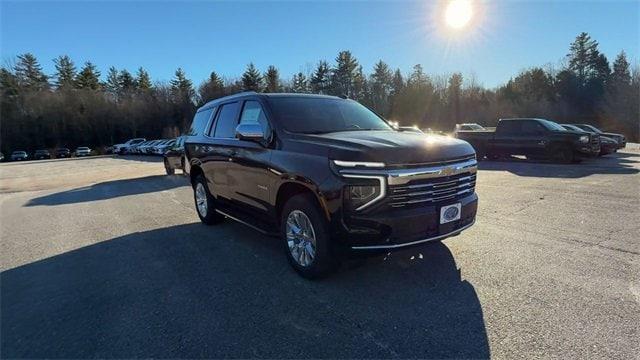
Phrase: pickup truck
pixel 533 138
pixel 327 176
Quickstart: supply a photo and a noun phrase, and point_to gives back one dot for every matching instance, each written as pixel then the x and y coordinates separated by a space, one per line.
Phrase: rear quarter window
pixel 200 121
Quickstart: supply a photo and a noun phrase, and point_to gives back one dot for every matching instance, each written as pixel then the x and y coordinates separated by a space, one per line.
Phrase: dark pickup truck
pixel 533 138
pixel 326 175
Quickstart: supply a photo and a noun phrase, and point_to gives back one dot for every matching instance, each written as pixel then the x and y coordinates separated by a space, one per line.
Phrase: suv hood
pixel 390 147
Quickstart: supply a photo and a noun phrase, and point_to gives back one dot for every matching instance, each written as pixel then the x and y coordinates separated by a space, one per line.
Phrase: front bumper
pixel 398 221
pixel 405 228
pixel 589 149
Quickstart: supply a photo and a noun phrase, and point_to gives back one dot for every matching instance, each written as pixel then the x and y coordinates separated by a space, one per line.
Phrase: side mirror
pixel 250 131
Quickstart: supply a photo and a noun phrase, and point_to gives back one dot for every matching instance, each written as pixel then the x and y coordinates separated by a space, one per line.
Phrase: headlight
pixel 358 195
pixel 584 139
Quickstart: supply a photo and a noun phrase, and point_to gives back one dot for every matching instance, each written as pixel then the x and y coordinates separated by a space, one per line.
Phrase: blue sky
pixel 199 36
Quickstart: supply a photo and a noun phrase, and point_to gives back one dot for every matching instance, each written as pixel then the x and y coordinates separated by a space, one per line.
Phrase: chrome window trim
pixel 395 246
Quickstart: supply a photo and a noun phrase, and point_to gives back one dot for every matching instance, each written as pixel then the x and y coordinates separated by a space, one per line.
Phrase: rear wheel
pixel 205 203
pixel 167 167
pixel 306 237
pixel 564 155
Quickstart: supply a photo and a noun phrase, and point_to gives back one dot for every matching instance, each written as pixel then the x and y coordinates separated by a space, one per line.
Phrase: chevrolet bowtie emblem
pixel 448 171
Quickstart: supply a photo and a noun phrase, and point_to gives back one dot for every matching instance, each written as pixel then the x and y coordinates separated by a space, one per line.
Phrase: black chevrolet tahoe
pixel 326 175
pixel 531 137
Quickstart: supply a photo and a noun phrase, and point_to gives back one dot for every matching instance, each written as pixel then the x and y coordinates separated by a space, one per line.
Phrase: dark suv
pixel 327 175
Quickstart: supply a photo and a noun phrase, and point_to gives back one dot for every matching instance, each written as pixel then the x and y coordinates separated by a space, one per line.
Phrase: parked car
pixel 124 148
pixel 469 127
pixel 145 147
pixel 607 145
pixel 594 138
pixel 151 150
pixel 534 138
pixel 135 148
pixel 174 157
pixel 161 148
pixel 42 154
pixel 326 175
pixel 83 151
pixel 619 138
pixel 19 155
pixel 63 153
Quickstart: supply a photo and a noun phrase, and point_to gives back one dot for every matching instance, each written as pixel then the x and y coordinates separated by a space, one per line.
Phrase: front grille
pixel 429 191
pixel 595 140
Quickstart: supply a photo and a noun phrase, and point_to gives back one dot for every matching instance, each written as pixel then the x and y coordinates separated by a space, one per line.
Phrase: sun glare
pixel 458 13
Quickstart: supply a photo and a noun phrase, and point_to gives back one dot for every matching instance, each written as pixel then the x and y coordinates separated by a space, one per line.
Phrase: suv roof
pixel 263 95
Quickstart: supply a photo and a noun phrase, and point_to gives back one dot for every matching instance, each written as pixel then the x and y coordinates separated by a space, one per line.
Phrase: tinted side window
pixel 509 127
pixel 252 112
pixel 226 121
pixel 531 127
pixel 200 121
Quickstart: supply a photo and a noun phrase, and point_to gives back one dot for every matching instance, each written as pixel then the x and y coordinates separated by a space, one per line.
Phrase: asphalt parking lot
pixel 105 257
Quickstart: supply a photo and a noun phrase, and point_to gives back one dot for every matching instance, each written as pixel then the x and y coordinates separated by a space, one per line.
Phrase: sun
pixel 458 13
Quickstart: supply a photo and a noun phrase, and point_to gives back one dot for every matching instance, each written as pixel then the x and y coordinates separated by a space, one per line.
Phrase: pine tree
pixel 29 73
pixel 621 70
pixel 182 88
pixel 321 79
pixel 65 72
pixel 272 79
pixel 417 78
pixel 8 84
pixel 112 84
pixel 126 82
pixel 397 84
pixel 300 83
pixel 143 80
pixel 251 79
pixel 360 91
pixel 211 89
pixel 583 54
pixel 89 77
pixel 454 93
pixel 342 76
pixel 381 86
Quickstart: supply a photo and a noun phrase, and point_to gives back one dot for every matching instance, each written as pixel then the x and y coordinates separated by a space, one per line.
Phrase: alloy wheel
pixel 301 238
pixel 201 199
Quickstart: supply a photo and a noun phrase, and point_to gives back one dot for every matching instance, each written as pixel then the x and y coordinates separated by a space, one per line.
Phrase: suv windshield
pixel 311 115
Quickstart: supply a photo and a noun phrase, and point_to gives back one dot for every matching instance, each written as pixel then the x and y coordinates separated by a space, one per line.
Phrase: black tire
pixel 168 168
pixel 564 155
pixel 208 216
pixel 324 261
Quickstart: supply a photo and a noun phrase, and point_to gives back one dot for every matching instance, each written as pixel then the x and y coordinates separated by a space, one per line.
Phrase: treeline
pixel 75 107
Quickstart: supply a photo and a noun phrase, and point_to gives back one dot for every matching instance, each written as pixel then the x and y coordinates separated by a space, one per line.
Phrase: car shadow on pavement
pixel 111 189
pixel 614 164
pixel 192 291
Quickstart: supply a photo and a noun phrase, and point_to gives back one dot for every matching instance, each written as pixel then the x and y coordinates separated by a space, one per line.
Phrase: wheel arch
pixel 194 172
pixel 292 188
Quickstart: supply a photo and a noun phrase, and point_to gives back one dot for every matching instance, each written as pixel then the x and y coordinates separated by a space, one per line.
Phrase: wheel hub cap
pixel 201 199
pixel 301 238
